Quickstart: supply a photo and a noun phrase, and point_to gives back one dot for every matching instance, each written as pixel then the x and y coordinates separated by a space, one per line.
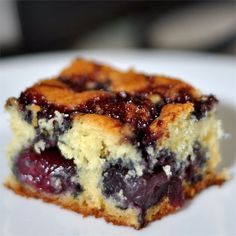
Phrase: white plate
pixel 212 212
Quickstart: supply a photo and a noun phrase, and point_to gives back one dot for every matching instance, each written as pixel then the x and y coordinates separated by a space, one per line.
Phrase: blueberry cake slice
pixel 125 146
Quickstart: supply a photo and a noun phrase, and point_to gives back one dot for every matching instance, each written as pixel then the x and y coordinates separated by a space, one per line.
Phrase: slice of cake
pixel 124 146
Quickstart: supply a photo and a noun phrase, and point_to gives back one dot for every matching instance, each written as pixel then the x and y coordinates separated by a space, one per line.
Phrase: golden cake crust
pixel 155 213
pixel 83 73
pixel 84 84
pixel 129 81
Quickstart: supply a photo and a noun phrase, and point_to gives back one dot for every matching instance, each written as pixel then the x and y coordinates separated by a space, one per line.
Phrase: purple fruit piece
pixel 49 171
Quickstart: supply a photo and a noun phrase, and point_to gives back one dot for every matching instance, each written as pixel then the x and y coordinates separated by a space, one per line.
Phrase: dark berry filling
pixel 49 171
pixel 51 139
pixel 143 191
pixel 193 170
pixel 150 188
pixel 134 110
pixel 204 105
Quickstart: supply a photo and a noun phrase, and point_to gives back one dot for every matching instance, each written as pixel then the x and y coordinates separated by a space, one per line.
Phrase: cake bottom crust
pixel 153 213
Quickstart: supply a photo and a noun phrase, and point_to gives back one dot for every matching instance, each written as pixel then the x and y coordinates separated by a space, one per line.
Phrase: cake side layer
pixel 23 132
pixel 108 212
pixel 176 129
pixel 95 142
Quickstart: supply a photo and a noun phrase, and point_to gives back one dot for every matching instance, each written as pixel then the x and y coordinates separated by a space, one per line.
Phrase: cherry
pixel 49 171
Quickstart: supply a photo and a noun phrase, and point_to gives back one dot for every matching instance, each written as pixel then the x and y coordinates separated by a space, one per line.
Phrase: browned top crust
pixel 85 80
pixel 85 74
pixel 131 98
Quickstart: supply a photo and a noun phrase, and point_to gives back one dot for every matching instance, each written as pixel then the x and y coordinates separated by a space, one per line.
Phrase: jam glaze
pixel 136 110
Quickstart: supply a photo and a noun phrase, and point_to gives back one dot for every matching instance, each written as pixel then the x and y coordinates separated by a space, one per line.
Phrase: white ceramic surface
pixel 213 212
